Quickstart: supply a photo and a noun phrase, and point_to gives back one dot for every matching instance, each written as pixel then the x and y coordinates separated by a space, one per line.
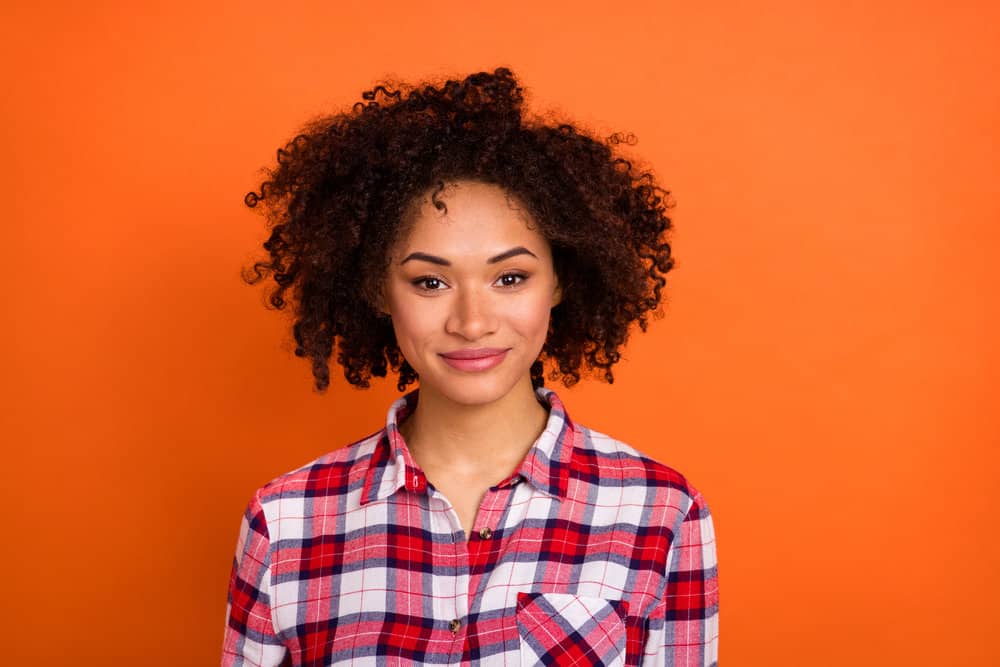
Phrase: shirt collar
pixel 546 465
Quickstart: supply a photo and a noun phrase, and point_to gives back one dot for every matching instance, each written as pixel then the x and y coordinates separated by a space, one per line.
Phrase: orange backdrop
pixel 825 372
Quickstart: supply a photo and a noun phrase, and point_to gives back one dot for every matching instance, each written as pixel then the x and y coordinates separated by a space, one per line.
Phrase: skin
pixel 470 430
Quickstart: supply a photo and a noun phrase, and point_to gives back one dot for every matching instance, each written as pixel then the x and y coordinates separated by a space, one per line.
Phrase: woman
pixel 441 235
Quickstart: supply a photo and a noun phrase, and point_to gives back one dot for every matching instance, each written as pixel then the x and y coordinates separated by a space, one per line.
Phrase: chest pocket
pixel 563 629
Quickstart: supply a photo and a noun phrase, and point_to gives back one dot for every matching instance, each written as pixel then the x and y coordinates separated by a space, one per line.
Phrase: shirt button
pixel 486 533
pixel 455 625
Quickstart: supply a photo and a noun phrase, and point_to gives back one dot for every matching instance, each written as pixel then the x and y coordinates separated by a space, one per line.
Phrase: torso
pixel 352 561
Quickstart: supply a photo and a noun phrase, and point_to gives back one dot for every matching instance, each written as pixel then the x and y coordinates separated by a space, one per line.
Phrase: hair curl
pixel 337 200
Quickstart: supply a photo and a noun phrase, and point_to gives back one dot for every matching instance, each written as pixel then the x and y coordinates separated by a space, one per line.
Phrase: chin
pixel 471 391
pixel 471 388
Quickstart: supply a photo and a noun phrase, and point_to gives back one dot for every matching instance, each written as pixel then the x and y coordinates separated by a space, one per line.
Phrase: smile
pixel 474 360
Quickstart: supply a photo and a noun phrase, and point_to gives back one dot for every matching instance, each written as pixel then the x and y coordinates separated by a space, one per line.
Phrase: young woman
pixel 436 232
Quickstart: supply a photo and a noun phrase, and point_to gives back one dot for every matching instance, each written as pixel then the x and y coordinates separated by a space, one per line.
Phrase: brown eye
pixel 428 283
pixel 512 279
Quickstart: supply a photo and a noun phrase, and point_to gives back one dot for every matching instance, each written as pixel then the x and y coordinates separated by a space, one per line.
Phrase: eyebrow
pixel 434 259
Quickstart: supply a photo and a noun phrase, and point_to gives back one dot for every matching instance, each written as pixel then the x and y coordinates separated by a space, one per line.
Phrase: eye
pixel 511 279
pixel 428 283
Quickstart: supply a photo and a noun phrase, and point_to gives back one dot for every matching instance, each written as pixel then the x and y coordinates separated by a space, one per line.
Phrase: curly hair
pixel 337 201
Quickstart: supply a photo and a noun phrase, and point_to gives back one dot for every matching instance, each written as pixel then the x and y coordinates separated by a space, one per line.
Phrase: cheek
pixel 409 323
pixel 412 321
pixel 530 317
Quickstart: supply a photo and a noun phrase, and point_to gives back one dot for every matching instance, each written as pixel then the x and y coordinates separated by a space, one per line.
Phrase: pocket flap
pixel 564 629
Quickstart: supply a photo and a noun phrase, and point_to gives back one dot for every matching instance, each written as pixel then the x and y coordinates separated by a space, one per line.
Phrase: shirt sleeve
pixel 684 629
pixel 250 637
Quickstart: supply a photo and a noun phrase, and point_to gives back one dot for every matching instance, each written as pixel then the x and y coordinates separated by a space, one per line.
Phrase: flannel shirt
pixel 590 553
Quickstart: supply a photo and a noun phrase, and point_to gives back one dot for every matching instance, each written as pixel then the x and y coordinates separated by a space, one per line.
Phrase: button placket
pixel 491 505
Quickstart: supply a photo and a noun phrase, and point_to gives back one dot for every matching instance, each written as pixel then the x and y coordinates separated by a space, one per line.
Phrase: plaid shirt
pixel 588 554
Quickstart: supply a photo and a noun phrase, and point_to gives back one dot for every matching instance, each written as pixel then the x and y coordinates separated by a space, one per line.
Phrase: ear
pixel 557 294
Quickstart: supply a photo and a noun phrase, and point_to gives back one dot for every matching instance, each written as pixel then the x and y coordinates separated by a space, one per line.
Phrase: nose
pixel 472 315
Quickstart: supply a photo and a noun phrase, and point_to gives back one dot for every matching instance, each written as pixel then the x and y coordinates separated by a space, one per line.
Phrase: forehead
pixel 479 219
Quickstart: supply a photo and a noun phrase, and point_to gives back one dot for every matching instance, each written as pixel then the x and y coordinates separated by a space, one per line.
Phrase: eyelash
pixel 418 282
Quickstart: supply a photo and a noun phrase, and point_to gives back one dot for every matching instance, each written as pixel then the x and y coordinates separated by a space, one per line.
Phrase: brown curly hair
pixel 336 203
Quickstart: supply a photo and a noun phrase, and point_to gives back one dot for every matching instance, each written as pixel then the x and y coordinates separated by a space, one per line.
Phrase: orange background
pixel 824 373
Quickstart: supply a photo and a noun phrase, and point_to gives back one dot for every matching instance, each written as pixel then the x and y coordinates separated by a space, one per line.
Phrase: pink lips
pixel 475 360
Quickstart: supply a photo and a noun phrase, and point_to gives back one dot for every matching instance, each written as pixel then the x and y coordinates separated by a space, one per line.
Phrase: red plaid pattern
pixel 589 554
pixel 563 629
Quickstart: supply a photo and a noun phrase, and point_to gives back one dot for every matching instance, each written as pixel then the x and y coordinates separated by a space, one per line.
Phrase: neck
pixel 463 438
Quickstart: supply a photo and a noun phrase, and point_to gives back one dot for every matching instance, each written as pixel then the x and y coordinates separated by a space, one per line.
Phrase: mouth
pixel 474 360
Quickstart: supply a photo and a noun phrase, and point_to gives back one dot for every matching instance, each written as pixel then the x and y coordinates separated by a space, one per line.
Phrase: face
pixel 469 292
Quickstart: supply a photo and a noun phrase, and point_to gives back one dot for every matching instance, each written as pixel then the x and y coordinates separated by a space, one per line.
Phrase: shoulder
pixel 608 461
pixel 335 473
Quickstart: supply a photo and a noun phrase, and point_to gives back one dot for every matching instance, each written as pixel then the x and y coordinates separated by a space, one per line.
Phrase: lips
pixel 471 361
pixel 474 354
